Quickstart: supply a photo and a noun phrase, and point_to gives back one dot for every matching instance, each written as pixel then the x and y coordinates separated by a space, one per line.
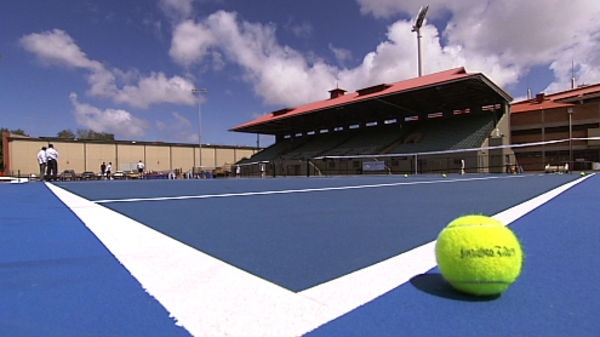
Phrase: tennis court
pixel 321 256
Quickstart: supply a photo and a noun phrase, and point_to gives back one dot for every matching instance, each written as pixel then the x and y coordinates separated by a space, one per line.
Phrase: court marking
pixel 304 190
pixel 211 298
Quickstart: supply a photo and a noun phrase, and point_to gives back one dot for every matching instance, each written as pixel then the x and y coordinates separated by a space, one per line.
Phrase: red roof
pixel 459 86
pixel 557 100
pixel 365 94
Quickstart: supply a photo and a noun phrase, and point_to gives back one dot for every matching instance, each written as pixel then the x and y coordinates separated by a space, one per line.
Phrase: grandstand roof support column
pixel 416 164
pixel 570 113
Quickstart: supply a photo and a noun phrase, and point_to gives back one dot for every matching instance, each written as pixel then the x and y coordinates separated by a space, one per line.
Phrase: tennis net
pixel 552 155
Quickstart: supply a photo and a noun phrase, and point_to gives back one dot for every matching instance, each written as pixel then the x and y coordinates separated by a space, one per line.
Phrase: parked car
pixel 68 175
pixel 222 171
pixel 133 175
pixel 88 175
pixel 119 175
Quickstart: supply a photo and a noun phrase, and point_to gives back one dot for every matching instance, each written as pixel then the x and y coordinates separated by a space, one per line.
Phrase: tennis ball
pixel 478 255
pixel 444 175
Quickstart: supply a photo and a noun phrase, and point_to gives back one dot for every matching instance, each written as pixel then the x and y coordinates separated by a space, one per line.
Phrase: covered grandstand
pixel 420 125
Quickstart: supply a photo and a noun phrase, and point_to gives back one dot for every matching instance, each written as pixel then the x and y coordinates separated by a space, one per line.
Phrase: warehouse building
pixel 87 155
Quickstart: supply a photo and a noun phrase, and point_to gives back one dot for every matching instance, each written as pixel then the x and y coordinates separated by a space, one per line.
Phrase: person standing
pixel 140 168
pixel 102 170
pixel 52 163
pixel 108 169
pixel 41 158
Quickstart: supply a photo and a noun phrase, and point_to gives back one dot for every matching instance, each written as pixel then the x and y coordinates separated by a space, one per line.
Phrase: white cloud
pixel 190 42
pixel 302 30
pixel 117 121
pixel 281 75
pixel 57 47
pixel 502 39
pixel 176 9
pixel 387 8
pixel 179 128
pixel 156 88
pixel 341 54
pixel 124 87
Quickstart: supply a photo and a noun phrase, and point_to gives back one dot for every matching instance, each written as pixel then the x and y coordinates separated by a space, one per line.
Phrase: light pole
pixel 417 28
pixel 199 92
pixel 570 113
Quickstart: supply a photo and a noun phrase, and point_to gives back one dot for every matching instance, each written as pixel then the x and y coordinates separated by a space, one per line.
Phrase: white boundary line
pixel 211 298
pixel 373 281
pixel 14 180
pixel 304 190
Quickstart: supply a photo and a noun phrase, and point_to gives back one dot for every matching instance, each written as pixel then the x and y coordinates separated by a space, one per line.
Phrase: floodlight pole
pixel 417 28
pixel 419 55
pixel 199 92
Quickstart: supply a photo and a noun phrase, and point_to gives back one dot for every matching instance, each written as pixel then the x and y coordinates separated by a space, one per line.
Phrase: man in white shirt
pixel 108 170
pixel 41 158
pixel 52 163
pixel 140 167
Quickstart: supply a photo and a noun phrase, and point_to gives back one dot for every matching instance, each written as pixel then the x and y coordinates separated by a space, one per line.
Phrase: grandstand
pixel 420 125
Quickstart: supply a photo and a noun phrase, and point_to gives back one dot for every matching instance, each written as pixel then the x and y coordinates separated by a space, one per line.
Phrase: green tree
pixel 91 134
pixel 66 134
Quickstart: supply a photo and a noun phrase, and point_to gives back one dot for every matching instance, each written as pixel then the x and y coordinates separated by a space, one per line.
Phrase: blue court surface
pixel 321 256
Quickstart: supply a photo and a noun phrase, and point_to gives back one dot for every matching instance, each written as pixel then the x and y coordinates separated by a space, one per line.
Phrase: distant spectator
pixel 52 163
pixel 140 168
pixel 103 170
pixel 42 160
pixel 108 170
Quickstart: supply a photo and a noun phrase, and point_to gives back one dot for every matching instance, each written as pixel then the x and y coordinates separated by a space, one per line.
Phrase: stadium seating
pixel 447 134
pixel 457 132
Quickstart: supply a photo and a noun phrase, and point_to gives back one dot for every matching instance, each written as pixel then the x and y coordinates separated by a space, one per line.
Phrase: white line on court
pixel 211 298
pixel 304 190
pixel 376 278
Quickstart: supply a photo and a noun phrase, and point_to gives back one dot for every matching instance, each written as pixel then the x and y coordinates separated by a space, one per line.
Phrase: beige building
pixel 87 155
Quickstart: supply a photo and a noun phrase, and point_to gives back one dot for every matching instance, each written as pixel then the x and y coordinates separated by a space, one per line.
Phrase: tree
pixel 66 134
pixel 86 134
pixel 19 132
pixel 91 134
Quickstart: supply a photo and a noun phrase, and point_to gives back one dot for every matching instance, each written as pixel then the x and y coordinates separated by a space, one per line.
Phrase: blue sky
pixel 127 67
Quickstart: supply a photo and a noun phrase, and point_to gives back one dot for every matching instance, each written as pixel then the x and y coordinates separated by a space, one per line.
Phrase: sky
pixel 128 67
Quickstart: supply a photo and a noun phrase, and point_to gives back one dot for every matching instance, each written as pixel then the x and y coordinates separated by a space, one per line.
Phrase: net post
pixel 416 164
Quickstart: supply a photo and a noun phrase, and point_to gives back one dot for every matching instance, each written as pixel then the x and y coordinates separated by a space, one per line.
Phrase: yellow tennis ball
pixel 478 255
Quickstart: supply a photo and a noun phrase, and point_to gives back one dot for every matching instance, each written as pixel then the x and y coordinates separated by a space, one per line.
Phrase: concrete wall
pixel 20 155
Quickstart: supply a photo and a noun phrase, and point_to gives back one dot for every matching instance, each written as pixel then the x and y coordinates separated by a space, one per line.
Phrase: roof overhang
pixel 443 92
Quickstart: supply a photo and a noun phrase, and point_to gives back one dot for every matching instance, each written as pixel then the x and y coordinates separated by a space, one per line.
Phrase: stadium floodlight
pixel 199 92
pixel 417 28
